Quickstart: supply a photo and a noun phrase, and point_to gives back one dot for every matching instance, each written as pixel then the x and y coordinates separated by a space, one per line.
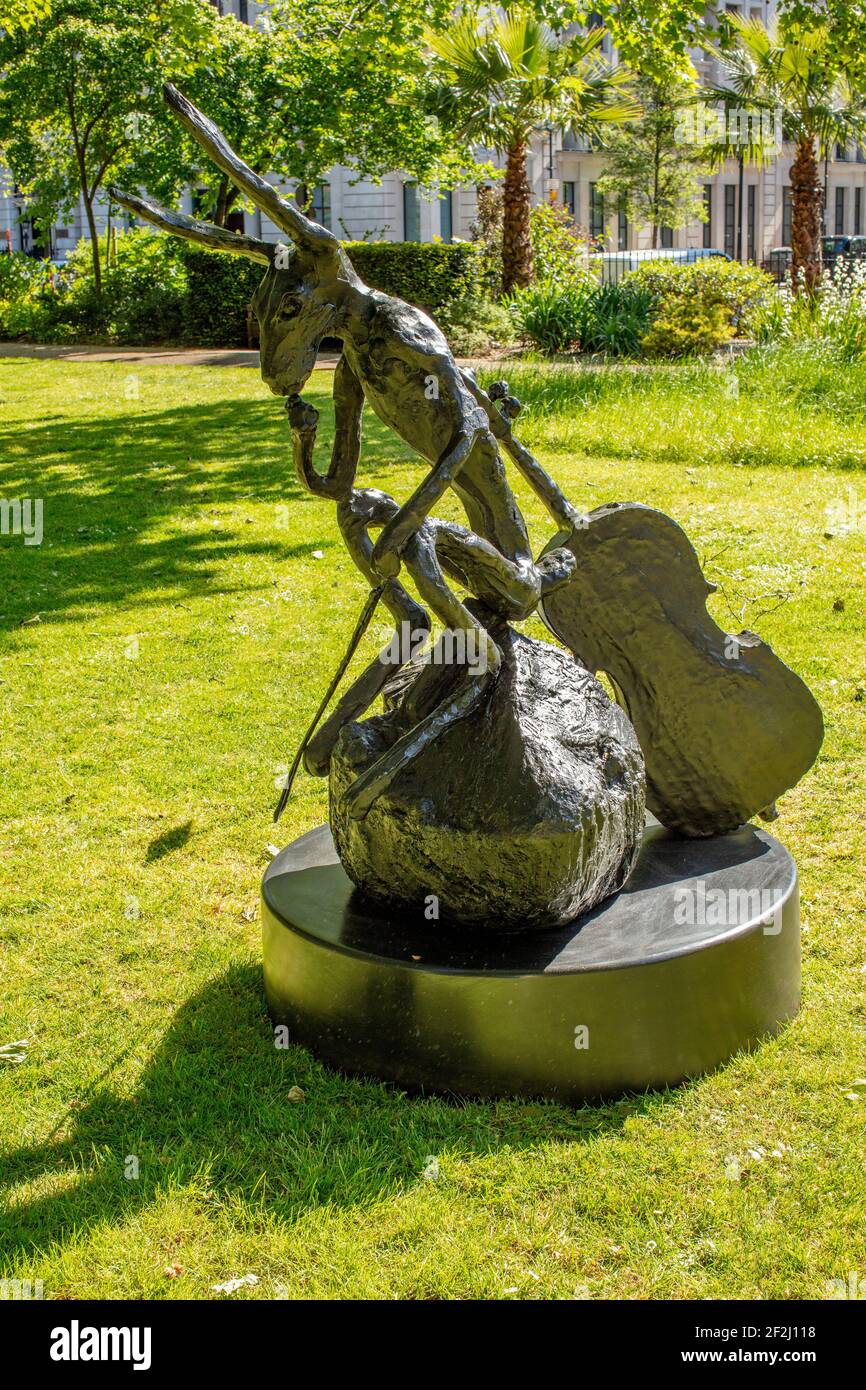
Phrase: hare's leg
pixel 365 507
pixel 478 674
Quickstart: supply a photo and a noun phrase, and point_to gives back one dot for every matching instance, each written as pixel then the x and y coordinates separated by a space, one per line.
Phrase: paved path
pixel 169 357
pixel 187 357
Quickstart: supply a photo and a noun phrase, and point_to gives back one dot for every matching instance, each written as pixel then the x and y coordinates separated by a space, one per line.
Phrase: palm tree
pixel 741 99
pixel 800 73
pixel 498 79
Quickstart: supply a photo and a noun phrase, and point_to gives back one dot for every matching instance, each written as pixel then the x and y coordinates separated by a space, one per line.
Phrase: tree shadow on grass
pixel 214 1101
pixel 107 485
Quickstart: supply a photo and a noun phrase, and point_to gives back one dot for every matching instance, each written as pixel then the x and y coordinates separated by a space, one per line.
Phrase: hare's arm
pixel 348 404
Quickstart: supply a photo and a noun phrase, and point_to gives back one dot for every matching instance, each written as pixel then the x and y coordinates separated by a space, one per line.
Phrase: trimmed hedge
pixel 431 274
pixel 218 293
pixel 160 289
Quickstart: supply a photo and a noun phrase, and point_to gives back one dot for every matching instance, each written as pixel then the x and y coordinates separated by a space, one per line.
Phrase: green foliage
pixel 29 297
pixel 19 272
pixel 558 248
pixel 498 76
pixel 355 80
pixel 615 319
pixel 143 298
pixel 830 319
pixel 217 305
pixel 80 98
pixel 583 315
pixel 549 313
pixel 741 290
pixel 158 289
pixel 432 274
pixel 651 172
pixel 685 328
pixel 474 325
pixel 143 290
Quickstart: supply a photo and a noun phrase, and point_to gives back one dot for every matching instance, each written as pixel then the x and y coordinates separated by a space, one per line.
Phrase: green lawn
pixel 186 631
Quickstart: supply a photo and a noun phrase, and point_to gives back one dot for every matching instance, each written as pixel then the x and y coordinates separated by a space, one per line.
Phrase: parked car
pixel 613 265
pixel 844 248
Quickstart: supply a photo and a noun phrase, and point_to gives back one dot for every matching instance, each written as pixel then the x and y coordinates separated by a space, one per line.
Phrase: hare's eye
pixel 289 306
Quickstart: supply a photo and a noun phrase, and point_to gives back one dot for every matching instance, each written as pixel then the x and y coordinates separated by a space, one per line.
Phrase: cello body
pixel 725 727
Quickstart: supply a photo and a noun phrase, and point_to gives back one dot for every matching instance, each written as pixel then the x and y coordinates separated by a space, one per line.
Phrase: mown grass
pixel 186 630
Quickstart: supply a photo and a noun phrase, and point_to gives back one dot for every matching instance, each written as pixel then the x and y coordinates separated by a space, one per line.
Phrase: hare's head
pixel 300 298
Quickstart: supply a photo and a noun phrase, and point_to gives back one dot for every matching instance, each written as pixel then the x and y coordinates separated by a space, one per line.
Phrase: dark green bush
pixel 28 297
pixel 550 313
pixel 431 274
pixel 475 325
pixel 218 293
pixel 615 319
pixel 143 290
pixel 583 315
pixel 158 289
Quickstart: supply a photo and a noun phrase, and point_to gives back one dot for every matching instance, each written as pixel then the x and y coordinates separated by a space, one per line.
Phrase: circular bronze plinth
pixel 697 957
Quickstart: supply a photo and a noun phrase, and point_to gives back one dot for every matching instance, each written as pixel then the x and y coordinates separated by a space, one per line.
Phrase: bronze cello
pixel 724 725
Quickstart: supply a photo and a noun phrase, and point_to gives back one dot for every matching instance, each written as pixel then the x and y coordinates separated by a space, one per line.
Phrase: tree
pixel 238 82
pixel 21 14
pixel 653 168
pixel 498 78
pixel 354 80
pixel 80 100
pixel 743 129
pixel 652 36
pixel 799 73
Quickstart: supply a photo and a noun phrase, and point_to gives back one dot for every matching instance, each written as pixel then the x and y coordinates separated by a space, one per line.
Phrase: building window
pixel 235 222
pixel 750 222
pixel 840 211
pixel 787 215
pixel 596 212
pixel 320 207
pixel 708 209
pixel 621 231
pixel 730 246
pixel 411 212
pixel 667 237
pixel 243 11
pixel 858 211
pixel 446 215
pixel 568 200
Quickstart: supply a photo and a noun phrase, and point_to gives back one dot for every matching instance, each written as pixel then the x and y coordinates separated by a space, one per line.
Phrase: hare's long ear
pixel 309 236
pixel 191 229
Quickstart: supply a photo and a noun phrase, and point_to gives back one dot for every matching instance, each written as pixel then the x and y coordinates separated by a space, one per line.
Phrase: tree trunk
pixel 94 245
pixel 806 199
pixel 516 240
pixel 221 205
pixel 742 164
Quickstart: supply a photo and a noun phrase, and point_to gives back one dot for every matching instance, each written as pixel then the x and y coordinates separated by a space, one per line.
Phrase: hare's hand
pixel 303 417
pixel 385 560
